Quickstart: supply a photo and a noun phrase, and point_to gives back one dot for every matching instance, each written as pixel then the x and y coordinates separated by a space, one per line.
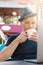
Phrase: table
pixel 17 63
pixel 10 28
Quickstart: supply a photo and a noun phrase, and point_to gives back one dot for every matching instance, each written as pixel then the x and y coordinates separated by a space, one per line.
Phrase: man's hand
pixel 34 37
pixel 22 37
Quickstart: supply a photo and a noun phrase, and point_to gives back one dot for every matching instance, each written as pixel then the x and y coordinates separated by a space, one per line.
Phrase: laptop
pixel 39 58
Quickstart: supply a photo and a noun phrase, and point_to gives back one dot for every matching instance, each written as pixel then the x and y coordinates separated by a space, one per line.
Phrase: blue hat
pixel 25 12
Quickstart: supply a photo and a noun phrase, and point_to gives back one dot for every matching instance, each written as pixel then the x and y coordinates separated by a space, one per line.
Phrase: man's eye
pixel 33 23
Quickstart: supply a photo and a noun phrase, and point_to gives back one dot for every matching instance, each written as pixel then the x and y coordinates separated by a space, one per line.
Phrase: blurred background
pixel 9 10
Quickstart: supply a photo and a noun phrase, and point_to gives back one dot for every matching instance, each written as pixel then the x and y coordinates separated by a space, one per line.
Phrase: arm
pixel 8 51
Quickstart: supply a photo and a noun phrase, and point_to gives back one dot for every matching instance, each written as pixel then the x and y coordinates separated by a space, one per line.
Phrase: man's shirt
pixel 25 50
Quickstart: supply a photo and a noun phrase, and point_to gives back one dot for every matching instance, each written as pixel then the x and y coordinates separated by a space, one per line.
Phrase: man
pixel 18 46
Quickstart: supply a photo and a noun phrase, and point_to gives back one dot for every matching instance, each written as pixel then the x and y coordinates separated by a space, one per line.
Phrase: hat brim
pixel 22 18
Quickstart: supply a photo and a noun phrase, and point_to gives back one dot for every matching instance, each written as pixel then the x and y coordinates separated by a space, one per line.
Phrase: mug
pixel 30 32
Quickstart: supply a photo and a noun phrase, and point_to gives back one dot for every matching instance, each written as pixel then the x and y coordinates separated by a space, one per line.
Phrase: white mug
pixel 30 32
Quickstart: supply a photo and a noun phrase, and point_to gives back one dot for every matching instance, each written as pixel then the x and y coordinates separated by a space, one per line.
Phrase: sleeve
pixel 11 38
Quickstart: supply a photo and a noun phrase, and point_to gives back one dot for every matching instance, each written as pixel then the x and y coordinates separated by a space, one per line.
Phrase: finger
pixel 25 34
pixel 35 33
pixel 34 39
pixel 32 36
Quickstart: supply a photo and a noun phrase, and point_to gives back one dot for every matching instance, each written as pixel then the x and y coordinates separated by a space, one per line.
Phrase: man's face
pixel 29 23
